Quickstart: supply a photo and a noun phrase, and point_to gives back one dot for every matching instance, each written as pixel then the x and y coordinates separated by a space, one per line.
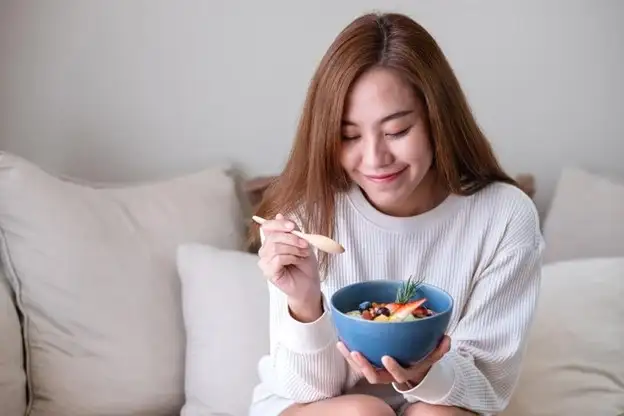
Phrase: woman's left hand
pixel 407 378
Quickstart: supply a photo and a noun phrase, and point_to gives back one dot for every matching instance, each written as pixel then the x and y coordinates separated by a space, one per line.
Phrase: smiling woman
pixel 389 161
pixel 386 147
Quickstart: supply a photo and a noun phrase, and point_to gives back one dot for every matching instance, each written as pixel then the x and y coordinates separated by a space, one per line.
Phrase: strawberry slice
pixel 393 307
pixel 366 315
pixel 420 312
pixel 405 310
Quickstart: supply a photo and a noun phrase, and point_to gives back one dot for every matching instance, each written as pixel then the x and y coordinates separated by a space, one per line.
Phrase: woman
pixel 389 161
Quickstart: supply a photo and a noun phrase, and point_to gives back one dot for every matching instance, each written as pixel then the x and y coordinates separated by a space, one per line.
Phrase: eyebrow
pixel 389 117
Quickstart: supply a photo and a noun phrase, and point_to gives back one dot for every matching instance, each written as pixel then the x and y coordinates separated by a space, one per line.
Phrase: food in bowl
pixel 407 341
pixel 403 309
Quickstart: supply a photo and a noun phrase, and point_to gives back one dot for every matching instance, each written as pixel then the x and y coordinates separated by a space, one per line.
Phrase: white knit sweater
pixel 485 250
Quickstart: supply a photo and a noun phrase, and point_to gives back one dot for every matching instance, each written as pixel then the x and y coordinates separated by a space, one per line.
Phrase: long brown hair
pixel 313 174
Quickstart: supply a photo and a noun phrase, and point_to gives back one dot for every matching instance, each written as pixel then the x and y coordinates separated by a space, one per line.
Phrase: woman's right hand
pixel 289 263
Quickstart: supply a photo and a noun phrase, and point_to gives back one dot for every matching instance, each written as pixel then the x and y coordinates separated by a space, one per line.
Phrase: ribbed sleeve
pixel 307 367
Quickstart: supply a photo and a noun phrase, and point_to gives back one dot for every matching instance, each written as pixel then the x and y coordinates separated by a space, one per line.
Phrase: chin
pixel 386 198
pixel 391 194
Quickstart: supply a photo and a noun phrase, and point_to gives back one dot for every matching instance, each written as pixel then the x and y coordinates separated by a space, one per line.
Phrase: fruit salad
pixel 403 309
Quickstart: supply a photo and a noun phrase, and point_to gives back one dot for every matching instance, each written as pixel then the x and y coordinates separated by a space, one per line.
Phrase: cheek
pixel 416 149
pixel 349 157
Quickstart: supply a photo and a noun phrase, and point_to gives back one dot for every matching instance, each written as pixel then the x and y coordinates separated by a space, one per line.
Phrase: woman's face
pixel 386 148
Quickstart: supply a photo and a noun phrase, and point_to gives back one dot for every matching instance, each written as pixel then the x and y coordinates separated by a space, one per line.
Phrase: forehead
pixel 376 94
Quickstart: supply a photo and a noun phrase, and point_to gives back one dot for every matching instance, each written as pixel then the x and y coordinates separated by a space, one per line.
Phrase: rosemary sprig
pixel 408 289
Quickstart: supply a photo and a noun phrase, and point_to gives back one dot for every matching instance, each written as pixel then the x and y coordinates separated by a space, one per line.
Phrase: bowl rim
pixel 434 287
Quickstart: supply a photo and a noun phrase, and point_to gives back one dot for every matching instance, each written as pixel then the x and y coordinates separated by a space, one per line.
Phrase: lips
pixel 386 177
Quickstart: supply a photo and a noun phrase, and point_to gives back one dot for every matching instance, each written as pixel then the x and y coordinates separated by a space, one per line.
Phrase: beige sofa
pixel 140 299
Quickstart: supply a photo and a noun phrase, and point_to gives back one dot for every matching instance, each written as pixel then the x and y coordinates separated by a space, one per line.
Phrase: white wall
pixel 119 90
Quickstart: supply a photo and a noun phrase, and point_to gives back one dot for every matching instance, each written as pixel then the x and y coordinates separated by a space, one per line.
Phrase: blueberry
pixel 364 306
pixel 383 311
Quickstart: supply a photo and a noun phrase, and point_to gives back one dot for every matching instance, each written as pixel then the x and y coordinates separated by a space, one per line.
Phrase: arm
pixel 306 365
pixel 481 369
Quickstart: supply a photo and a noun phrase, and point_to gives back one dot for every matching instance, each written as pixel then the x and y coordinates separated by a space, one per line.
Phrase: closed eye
pixel 400 133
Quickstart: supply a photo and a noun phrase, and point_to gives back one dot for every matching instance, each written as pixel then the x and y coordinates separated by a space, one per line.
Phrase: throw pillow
pixel 12 375
pixel 95 277
pixel 226 315
pixel 585 218
pixel 574 363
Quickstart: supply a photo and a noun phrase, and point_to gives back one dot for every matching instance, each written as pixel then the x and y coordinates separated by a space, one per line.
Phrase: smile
pixel 386 177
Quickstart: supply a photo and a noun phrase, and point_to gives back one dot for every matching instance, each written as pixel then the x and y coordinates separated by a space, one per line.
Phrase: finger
pixel 347 355
pixel 280 217
pixel 279 249
pixel 278 224
pixel 268 248
pixel 269 271
pixel 343 350
pixel 283 260
pixel 286 238
pixel 443 347
pixel 366 368
pixel 274 268
pixel 398 373
pixel 271 226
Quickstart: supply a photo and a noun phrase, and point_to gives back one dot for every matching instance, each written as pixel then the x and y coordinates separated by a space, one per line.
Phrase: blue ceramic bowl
pixel 407 342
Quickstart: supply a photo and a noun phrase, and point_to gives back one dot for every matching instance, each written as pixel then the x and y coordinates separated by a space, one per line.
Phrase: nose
pixel 375 153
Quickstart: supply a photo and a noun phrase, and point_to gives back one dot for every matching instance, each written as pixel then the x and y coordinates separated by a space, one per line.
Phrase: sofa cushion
pixel 226 313
pixel 12 375
pixel 574 363
pixel 95 276
pixel 585 217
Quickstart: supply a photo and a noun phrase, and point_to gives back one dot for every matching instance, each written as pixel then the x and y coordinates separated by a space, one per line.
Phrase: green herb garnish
pixel 408 290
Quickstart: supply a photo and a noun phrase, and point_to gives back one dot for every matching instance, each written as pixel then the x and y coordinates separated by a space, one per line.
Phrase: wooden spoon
pixel 321 242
